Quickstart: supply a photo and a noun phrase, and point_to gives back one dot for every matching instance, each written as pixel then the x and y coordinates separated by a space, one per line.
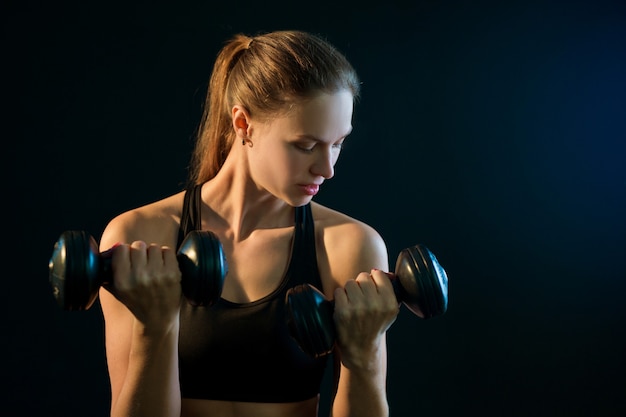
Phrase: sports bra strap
pixel 190 218
pixel 305 244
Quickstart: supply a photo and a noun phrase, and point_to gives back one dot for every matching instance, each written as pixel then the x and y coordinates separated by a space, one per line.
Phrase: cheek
pixel 290 169
pixel 295 163
pixel 278 165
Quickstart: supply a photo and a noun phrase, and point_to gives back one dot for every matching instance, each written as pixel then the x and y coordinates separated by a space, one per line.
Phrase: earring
pixel 243 142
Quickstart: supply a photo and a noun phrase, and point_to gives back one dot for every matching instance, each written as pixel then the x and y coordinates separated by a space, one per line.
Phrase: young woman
pixel 278 110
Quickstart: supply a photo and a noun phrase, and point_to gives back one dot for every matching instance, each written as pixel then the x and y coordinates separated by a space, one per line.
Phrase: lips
pixel 310 189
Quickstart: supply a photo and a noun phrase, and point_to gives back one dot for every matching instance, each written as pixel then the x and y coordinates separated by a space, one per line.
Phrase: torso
pixel 231 350
pixel 265 254
pixel 207 408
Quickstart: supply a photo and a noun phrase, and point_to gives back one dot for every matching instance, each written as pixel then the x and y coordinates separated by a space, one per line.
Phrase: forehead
pixel 327 116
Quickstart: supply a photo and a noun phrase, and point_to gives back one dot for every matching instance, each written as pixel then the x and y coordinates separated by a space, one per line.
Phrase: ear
pixel 241 122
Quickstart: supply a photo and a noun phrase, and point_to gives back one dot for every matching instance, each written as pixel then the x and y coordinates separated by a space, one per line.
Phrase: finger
pixel 137 253
pixel 340 296
pixel 367 284
pixel 154 260
pixel 138 260
pixel 385 286
pixel 382 280
pixel 355 288
pixel 120 257
pixel 170 262
pixel 169 257
pixel 120 267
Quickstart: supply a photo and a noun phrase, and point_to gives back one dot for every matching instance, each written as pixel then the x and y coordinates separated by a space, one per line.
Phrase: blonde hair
pixel 267 74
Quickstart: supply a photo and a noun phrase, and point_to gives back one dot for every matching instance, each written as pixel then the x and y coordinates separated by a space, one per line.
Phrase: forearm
pixel 361 391
pixel 151 387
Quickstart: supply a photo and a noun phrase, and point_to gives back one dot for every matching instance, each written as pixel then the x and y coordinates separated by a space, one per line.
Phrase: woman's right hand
pixel 147 280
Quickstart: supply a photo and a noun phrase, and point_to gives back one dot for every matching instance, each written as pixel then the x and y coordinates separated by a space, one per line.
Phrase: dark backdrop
pixel 493 132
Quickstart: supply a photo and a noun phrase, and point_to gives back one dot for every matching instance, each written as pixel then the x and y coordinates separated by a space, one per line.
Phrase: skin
pixel 249 206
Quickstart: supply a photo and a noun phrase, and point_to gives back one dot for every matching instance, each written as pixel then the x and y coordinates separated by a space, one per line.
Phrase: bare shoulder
pixel 346 246
pixel 156 222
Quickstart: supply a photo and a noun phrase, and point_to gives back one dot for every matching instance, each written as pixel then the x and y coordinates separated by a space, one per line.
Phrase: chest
pixel 256 265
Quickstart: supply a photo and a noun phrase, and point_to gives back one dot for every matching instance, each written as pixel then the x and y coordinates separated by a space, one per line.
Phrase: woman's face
pixel 293 154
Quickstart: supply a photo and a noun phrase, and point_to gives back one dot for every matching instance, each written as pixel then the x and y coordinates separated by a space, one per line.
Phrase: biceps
pixel 351 255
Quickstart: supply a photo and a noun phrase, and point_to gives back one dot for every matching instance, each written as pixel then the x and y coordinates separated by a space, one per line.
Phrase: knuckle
pixel 138 244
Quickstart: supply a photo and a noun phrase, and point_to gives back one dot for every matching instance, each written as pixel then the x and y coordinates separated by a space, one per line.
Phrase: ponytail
pixel 215 134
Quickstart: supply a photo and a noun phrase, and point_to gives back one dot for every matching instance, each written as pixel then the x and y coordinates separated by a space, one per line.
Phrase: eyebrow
pixel 316 139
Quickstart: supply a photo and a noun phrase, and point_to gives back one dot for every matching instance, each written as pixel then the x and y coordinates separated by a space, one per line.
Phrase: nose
pixel 324 164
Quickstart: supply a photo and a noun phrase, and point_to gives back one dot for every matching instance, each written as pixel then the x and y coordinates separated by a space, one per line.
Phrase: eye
pixel 309 146
pixel 338 146
pixel 304 147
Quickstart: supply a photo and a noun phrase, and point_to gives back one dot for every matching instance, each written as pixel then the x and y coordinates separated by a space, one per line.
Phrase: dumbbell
pixel 77 270
pixel 420 283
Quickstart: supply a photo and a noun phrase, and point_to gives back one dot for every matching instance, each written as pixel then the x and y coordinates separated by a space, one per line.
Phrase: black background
pixel 493 132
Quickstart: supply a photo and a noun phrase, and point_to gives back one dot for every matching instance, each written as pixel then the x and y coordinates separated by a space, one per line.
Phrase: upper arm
pixel 150 226
pixel 349 248
pixel 118 320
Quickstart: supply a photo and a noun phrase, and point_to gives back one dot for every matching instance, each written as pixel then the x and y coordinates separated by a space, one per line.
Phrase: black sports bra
pixel 243 352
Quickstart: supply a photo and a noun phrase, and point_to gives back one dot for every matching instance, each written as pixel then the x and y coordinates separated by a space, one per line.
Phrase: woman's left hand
pixel 365 308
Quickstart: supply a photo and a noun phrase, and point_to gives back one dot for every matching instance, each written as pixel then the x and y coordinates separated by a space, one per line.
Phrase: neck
pixel 237 206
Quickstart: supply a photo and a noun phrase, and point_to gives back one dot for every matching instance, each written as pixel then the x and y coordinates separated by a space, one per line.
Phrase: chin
pixel 298 202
